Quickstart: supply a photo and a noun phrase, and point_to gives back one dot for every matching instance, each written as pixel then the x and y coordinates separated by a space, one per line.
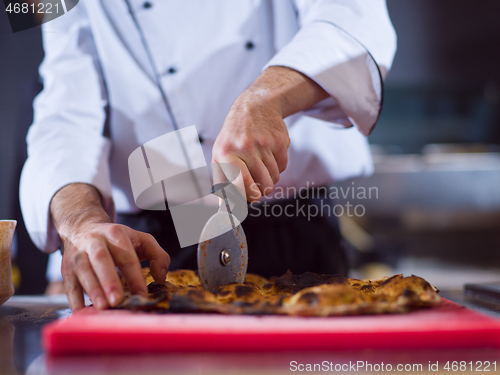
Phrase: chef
pixel 286 90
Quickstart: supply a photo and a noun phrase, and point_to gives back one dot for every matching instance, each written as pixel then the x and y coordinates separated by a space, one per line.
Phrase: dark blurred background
pixel 435 146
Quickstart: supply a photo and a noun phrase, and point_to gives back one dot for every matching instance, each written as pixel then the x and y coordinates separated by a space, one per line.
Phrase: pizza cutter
pixel 222 250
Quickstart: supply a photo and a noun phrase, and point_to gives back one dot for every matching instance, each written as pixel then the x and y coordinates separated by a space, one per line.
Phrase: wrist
pixel 284 90
pixel 81 220
pixel 75 208
pixel 259 100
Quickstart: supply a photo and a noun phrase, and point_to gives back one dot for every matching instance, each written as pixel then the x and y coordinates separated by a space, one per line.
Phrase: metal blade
pixel 222 258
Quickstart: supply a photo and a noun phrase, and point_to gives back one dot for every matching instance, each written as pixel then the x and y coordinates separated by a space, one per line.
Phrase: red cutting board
pixel 118 331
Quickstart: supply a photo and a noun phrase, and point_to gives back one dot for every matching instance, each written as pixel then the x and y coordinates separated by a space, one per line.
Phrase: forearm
pixel 74 206
pixel 285 89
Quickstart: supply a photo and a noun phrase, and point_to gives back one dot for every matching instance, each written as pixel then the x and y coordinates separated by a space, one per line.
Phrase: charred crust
pixel 159 295
pixel 367 288
pixel 310 298
pixel 409 293
pixel 294 283
pixel 243 291
pixel 155 287
pixel 390 279
pixel 267 286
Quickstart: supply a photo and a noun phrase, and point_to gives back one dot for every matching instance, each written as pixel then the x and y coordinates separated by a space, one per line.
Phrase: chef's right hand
pixel 94 247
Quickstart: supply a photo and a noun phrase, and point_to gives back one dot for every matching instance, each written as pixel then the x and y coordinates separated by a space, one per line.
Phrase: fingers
pixel 101 281
pixel 245 180
pixel 256 140
pixel 272 166
pixel 73 289
pixel 159 260
pixel 261 175
pixel 280 153
pixel 90 264
pixel 88 280
pixel 258 174
pixel 126 259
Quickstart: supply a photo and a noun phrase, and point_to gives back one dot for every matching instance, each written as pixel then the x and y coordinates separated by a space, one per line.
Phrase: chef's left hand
pixel 254 136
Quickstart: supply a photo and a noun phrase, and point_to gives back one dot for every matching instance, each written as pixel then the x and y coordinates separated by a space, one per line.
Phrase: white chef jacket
pixel 100 101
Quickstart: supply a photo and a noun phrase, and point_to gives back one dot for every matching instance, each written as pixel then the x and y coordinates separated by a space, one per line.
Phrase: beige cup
pixel 7 228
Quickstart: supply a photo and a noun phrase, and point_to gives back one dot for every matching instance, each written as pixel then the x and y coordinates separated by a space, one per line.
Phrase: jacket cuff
pixel 59 170
pixel 343 67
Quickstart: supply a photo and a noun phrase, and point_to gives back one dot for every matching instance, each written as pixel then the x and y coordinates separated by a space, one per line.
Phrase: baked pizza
pixel 309 294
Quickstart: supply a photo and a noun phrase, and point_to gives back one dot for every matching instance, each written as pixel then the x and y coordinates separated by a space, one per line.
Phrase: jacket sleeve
pixel 65 142
pixel 347 47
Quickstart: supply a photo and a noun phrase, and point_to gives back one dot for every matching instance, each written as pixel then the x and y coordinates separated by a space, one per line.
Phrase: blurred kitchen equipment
pixel 7 228
pixel 489 292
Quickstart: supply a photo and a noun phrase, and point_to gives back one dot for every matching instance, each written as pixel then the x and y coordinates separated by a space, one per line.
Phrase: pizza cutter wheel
pixel 223 258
